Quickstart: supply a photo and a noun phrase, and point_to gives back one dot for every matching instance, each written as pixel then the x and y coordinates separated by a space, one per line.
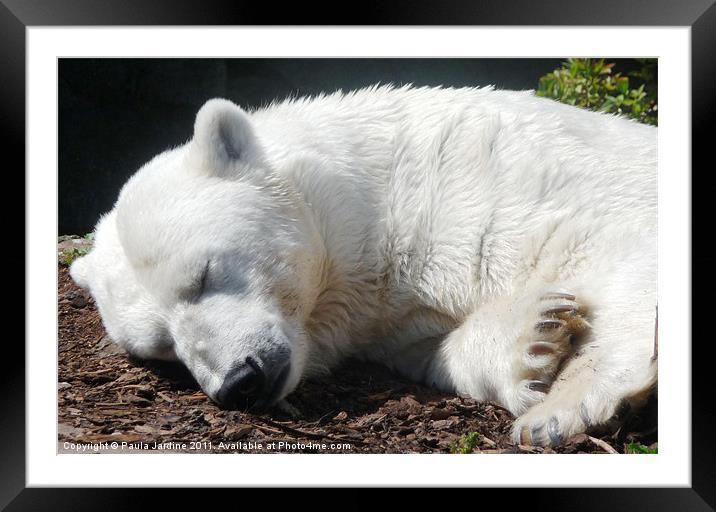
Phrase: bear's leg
pixel 510 350
pixel 615 367
pixel 562 362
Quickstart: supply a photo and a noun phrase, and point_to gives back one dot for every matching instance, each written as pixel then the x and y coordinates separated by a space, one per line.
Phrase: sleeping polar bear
pixel 484 242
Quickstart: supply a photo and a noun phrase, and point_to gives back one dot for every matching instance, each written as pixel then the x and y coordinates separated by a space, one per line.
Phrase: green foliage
pixel 593 84
pixel 640 448
pixel 71 254
pixel 466 444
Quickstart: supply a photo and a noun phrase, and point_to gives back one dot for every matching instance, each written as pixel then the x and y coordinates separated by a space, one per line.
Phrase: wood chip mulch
pixel 104 397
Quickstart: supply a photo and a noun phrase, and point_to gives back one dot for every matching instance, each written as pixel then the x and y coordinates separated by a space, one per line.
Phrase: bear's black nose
pixel 242 386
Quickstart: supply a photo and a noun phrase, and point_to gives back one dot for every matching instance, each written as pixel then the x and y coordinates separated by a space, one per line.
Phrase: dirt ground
pixel 105 397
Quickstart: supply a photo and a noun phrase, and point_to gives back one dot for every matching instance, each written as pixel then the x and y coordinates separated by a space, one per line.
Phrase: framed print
pixel 238 226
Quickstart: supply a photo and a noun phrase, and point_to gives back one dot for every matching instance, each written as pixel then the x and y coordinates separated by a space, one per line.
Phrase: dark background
pixel 116 114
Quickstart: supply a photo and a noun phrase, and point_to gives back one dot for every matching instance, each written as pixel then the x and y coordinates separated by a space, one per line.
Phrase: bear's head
pixel 209 258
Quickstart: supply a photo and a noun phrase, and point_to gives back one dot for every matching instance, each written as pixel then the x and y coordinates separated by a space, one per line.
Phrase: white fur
pixel 415 226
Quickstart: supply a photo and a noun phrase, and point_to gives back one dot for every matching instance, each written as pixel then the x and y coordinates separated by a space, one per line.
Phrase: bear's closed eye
pixel 198 286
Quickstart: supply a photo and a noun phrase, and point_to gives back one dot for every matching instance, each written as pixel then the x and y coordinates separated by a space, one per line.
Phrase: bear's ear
pixel 223 137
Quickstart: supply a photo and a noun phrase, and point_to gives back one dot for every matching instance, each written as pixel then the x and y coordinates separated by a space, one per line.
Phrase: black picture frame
pixel 17 15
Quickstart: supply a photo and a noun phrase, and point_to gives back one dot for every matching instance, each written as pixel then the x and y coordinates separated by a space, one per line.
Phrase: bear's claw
pixel 541 348
pixel 551 338
pixel 558 295
pixel 538 435
pixel 562 308
pixel 548 325
pixel 538 385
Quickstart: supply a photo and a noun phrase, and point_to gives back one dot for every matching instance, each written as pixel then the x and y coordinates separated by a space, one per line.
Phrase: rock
pixel 74 243
pixel 79 301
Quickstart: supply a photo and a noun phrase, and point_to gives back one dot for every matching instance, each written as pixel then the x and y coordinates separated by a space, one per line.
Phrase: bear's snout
pixel 252 384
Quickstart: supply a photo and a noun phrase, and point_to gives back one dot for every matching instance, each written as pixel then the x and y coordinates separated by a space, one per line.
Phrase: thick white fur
pixel 418 227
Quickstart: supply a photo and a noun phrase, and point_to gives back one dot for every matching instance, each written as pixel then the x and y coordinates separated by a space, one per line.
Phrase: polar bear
pixel 482 241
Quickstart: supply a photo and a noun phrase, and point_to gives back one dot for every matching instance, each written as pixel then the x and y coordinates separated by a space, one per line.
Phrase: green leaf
pixel 640 448
pixel 466 444
pixel 595 84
